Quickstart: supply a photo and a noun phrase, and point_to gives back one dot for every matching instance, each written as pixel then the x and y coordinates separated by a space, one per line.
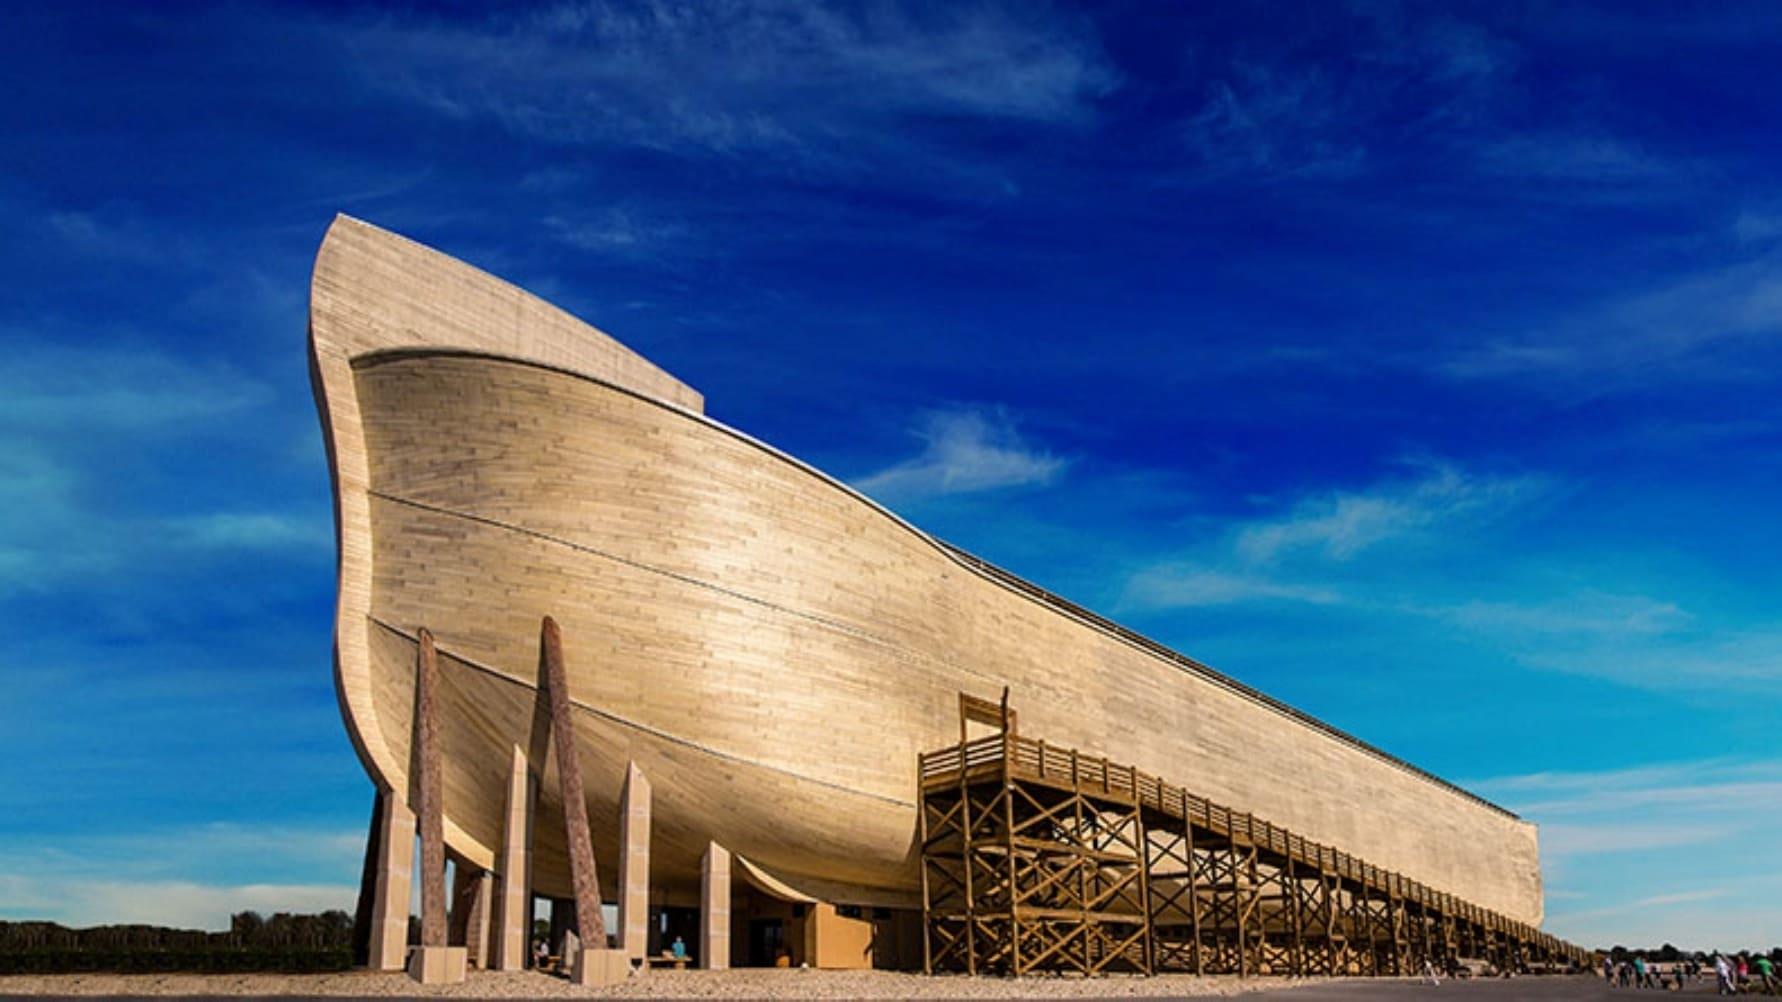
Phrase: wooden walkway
pixel 1036 857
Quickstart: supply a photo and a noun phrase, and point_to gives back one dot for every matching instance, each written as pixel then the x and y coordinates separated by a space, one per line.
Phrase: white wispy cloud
pixel 1274 122
pixel 1757 226
pixel 1175 587
pixel 1593 159
pixel 53 388
pixel 618 231
pixel 1307 552
pixel 1745 658
pixel 177 903
pixel 1342 524
pixel 251 531
pixel 1561 840
pixel 964 451
pixel 1633 853
pixel 734 77
pixel 1578 613
pixel 1669 331
pixel 1273 118
pixel 57 528
pixel 178 877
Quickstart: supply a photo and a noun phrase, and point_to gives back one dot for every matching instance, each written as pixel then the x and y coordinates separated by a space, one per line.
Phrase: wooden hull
pixel 772 648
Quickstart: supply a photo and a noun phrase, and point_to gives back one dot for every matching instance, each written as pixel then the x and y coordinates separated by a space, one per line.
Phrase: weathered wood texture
pixel 774 649
pixel 584 878
pixel 429 789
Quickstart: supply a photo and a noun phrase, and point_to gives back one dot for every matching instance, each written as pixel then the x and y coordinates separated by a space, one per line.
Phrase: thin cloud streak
pixel 1342 524
pixel 1186 587
pixel 735 77
pixel 964 452
pixel 176 903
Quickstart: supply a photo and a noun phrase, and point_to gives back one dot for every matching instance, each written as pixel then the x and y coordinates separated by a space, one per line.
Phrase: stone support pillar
pixel 634 864
pixel 395 866
pixel 513 895
pixel 714 909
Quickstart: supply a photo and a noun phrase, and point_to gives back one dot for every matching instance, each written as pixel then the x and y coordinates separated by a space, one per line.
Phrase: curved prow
pixel 374 291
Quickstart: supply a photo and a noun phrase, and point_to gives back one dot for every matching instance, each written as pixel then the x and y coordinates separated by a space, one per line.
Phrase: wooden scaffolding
pixel 1039 858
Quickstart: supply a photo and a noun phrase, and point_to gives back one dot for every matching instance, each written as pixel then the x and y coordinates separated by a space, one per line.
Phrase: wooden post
pixel 1193 887
pixel 634 863
pixel 967 824
pixel 513 904
pixel 429 793
pixel 435 962
pixel 590 925
pixel 714 908
pixel 1294 899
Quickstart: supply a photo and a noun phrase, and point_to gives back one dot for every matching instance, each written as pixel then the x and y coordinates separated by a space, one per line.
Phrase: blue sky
pixel 1414 363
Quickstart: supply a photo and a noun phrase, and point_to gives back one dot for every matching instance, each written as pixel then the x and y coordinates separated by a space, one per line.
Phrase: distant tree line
pixel 1668 954
pixel 281 942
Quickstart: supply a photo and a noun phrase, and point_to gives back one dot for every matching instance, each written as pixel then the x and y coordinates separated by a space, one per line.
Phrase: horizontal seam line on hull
pixel 853 631
pixel 645 728
pixel 1114 631
pixel 979 566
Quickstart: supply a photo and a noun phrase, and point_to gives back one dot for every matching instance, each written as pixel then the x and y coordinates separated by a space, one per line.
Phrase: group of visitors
pixel 1733 975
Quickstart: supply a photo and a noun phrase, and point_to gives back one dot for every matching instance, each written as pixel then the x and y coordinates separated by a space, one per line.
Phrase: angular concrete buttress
pixel 634 864
pixel 395 867
pixel 714 909
pixel 513 895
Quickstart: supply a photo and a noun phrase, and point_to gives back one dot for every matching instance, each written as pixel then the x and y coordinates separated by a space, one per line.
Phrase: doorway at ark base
pixel 595 648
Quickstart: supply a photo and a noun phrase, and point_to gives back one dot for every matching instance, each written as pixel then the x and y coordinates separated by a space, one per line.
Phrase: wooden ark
pixel 771 648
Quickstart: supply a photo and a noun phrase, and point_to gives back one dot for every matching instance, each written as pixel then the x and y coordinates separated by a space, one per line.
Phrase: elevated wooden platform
pixel 1036 857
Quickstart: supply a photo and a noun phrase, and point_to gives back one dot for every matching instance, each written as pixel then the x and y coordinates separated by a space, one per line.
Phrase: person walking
pixel 1722 975
pixel 1640 972
pixel 1609 971
pixel 1766 971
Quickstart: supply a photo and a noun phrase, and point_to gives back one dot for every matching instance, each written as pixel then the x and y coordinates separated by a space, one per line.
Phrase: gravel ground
pixel 737 984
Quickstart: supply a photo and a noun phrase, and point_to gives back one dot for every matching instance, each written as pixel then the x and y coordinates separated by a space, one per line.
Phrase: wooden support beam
pixel 1047 859
pixel 1194 886
pixel 590 925
pixel 429 793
